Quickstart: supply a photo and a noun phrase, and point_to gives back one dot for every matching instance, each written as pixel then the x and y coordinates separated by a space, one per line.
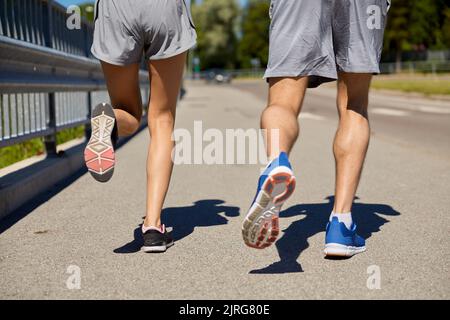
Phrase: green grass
pixel 69 134
pixel 425 86
pixel 30 148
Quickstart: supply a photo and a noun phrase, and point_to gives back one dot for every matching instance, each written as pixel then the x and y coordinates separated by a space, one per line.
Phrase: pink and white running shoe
pixel 99 153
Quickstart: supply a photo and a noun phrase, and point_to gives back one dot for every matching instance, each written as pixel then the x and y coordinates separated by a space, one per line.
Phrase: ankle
pixel 342 208
pixel 345 218
pixel 336 212
pixel 152 223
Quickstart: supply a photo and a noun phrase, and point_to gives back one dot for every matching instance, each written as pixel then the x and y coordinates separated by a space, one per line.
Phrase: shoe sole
pixel 339 250
pixel 261 225
pixel 157 249
pixel 99 153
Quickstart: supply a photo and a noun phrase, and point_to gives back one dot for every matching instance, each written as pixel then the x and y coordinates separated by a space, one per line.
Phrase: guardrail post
pixel 48 28
pixel 50 140
pixel 87 127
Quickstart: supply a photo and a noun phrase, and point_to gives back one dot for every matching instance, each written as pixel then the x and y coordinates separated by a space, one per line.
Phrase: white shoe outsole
pixel 260 228
pixel 157 249
pixel 339 250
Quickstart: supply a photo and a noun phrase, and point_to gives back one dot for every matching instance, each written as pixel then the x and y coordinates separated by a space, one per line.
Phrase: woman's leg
pixel 125 94
pixel 107 123
pixel 165 78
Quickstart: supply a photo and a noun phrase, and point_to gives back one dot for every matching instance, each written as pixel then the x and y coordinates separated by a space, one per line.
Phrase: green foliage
pixel 423 20
pixel 215 21
pixel 21 151
pixel 87 10
pixel 69 134
pixel 443 34
pixel 255 34
pixel 421 84
pixel 414 24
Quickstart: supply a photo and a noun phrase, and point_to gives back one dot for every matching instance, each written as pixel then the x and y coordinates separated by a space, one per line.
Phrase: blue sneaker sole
pixel 261 226
pixel 340 250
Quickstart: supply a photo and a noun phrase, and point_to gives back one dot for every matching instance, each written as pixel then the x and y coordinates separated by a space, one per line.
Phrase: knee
pixel 160 120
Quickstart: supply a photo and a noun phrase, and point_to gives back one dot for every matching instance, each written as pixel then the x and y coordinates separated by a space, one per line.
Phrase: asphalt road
pixel 92 230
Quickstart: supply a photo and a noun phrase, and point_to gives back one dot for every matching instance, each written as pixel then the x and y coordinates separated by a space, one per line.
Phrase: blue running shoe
pixel 342 242
pixel 276 184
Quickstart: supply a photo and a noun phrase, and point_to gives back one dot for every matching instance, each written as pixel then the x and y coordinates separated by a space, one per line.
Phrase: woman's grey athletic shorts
pixel 127 29
pixel 319 38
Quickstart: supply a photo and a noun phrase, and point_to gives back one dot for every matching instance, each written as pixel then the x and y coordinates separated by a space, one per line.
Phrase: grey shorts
pixel 319 38
pixel 126 30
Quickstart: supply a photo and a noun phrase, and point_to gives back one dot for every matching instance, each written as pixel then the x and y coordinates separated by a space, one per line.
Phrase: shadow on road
pixel 10 220
pixel 183 220
pixel 315 217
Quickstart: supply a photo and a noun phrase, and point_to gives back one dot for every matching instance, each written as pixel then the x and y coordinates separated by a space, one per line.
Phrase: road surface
pixel 90 232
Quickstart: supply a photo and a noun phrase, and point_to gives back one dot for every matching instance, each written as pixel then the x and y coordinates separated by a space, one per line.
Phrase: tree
pixel 255 34
pixel 413 24
pixel 87 10
pixel 445 30
pixel 396 34
pixel 215 23
pixel 443 33
pixel 424 21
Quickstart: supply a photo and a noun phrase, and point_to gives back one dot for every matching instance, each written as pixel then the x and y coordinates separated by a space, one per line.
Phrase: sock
pixel 346 218
pixel 161 229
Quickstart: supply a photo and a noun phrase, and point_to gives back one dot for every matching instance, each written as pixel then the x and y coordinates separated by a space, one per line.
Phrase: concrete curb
pixel 22 186
pixel 17 188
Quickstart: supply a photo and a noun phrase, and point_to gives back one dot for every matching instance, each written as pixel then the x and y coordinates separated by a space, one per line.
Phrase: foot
pixel 156 239
pixel 341 241
pixel 276 184
pixel 99 153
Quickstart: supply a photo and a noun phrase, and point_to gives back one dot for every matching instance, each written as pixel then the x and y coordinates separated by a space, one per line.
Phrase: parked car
pixel 218 76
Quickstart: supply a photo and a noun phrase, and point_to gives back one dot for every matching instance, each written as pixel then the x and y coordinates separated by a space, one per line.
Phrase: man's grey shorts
pixel 319 38
pixel 127 29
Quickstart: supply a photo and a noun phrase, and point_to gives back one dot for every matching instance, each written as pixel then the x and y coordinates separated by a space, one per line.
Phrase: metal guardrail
pixel 48 80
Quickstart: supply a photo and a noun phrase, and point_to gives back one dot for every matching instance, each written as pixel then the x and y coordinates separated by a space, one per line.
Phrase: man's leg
pixel 165 78
pixel 285 102
pixel 277 182
pixel 350 148
pixel 352 137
